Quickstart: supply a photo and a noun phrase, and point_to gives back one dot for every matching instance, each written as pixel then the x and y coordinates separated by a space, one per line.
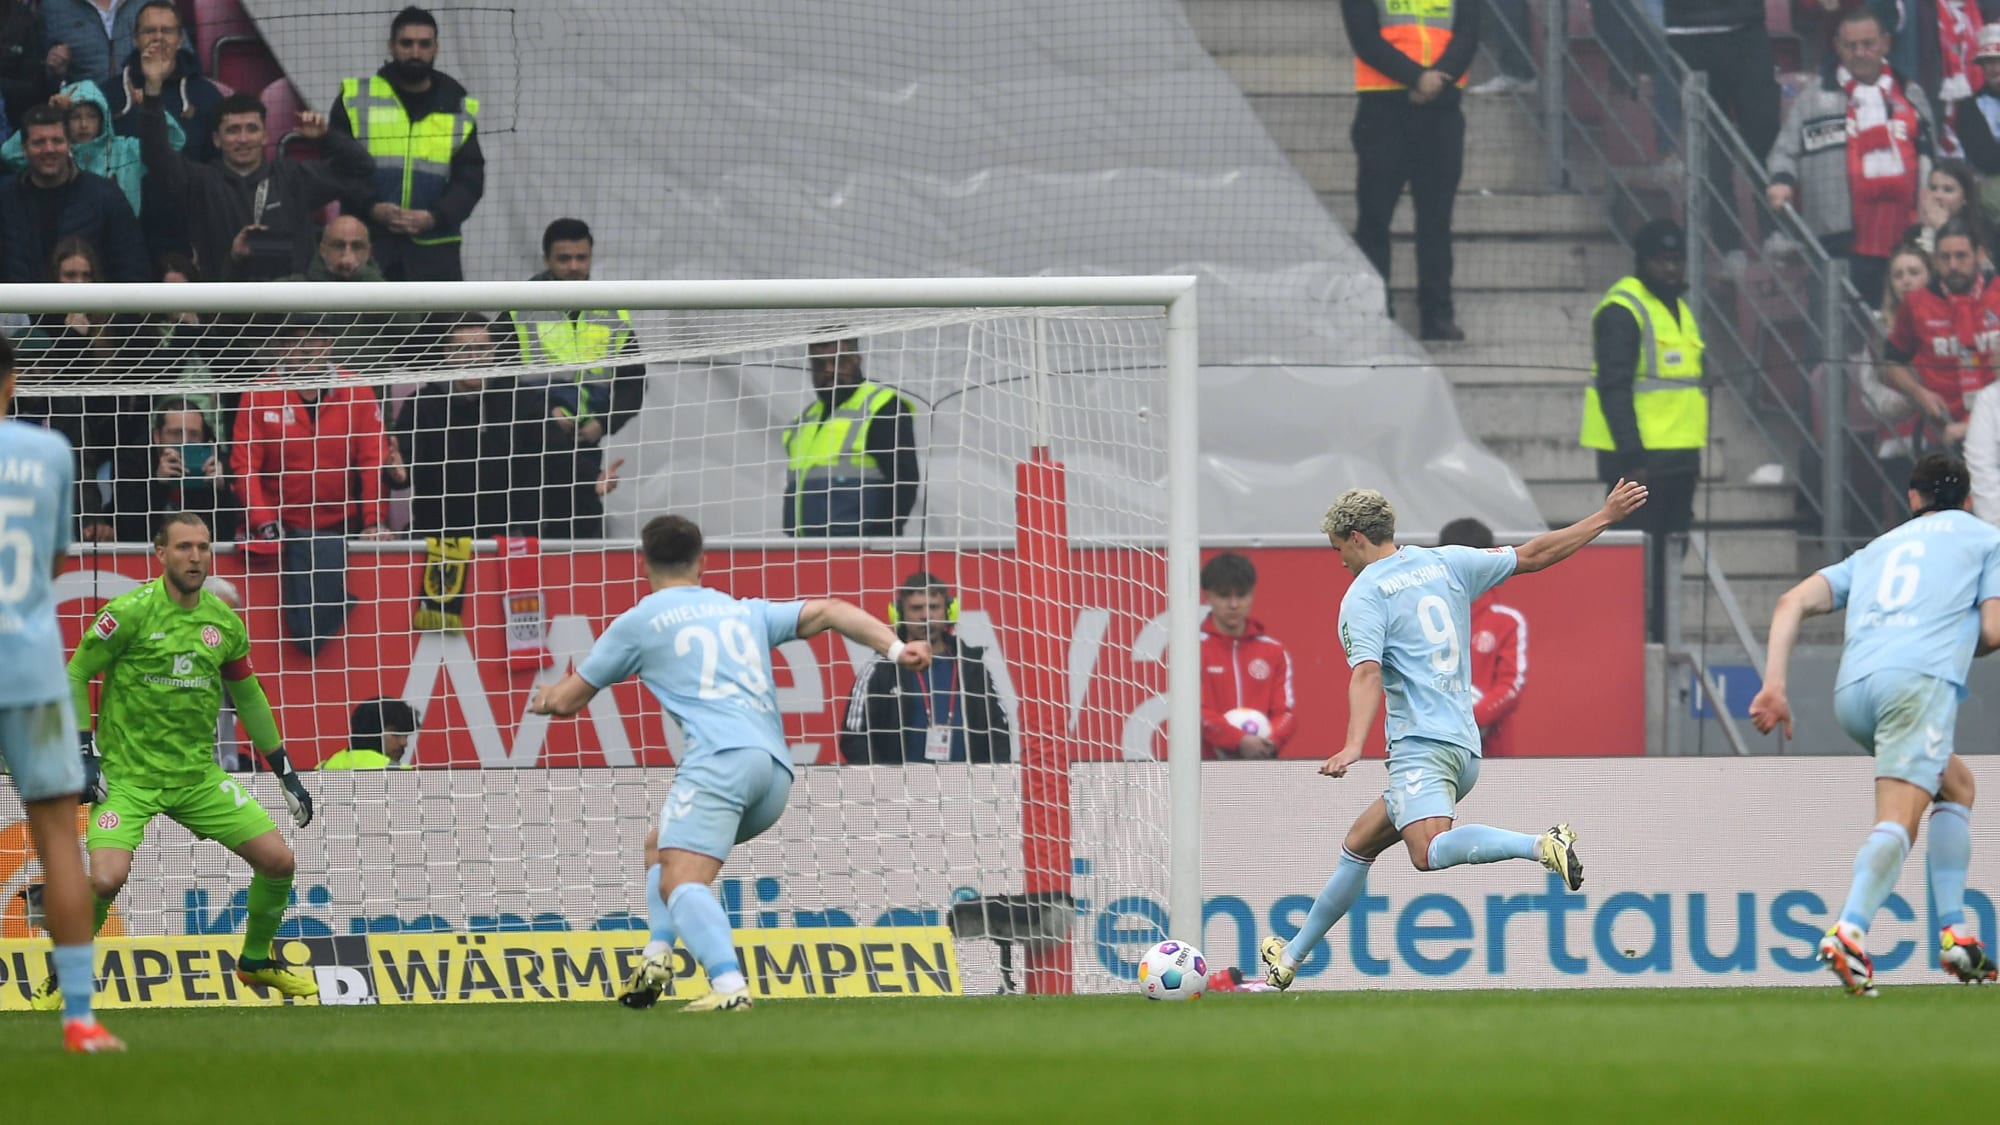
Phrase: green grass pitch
pixel 1915 1053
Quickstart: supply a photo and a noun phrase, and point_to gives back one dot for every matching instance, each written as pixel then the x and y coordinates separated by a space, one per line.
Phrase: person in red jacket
pixel 1941 349
pixel 1499 648
pixel 1241 666
pixel 308 464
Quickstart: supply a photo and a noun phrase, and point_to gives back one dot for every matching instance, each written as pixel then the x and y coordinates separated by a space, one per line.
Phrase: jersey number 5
pixel 18 549
pixel 1435 617
pixel 737 642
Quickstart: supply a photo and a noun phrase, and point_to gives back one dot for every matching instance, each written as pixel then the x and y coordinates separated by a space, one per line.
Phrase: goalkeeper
pixel 162 650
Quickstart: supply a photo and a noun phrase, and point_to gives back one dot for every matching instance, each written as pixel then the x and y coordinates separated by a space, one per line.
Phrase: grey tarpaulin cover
pixel 828 138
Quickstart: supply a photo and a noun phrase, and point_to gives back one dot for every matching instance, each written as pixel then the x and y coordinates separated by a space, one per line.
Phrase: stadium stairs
pixel 1531 264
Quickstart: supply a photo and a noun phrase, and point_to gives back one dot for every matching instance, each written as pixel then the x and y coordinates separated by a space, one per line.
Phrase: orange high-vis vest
pixel 1420 29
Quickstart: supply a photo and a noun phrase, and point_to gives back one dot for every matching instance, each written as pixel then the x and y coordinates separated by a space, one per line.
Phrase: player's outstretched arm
pixel 863 628
pixel 1809 598
pixel 1364 701
pixel 1550 548
pixel 573 694
pixel 253 707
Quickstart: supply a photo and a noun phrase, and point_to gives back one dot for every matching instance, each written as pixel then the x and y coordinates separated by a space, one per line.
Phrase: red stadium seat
pixel 245 63
pixel 213 20
pixel 282 107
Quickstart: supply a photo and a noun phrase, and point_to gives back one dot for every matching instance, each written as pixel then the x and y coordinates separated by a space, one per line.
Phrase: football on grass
pixel 1173 970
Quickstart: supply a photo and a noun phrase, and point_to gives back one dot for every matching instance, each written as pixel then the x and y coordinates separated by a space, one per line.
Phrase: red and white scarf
pixel 1881 162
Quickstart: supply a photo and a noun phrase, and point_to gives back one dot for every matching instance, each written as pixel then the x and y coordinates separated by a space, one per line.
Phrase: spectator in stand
pixel 189 98
pixel 76 346
pixel 588 402
pixel 93 143
pixel 308 463
pixel 420 126
pixel 1645 412
pixel 1242 667
pixel 1977 123
pixel 250 219
pixel 1498 652
pixel 838 482
pixel 947 713
pixel 368 341
pixel 95 34
pixel 1909 271
pixel 26 62
pixel 1727 41
pixel 54 200
pixel 1852 153
pixel 1409 128
pixel 459 438
pixel 1941 349
pixel 1513 38
pixel 1951 186
pixel 1982 455
pixel 378 736
pixel 180 470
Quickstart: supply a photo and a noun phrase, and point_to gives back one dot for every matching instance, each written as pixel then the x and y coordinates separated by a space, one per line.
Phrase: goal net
pixel 429 495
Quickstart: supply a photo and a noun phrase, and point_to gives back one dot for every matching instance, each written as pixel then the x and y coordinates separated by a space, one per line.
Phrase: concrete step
pixel 1558 264
pixel 1486 365
pixel 1751 553
pixel 1756 597
pixel 1487 212
pixel 1268 27
pixel 1524 411
pixel 1514 171
pixel 1558 458
pixel 1716 505
pixel 1324 122
pixel 1511 334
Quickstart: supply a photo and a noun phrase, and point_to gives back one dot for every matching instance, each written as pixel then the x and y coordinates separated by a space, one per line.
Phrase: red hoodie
pixel 1499 670
pixel 1253 671
pixel 310 466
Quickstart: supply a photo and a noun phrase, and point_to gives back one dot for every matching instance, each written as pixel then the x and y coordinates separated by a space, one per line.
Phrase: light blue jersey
pixel 1912 597
pixel 1412 613
pixel 37 498
pixel 707 658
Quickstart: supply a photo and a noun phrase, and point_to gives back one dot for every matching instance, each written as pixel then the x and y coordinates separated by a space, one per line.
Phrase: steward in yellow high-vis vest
pixel 589 392
pixel 1645 411
pixel 851 457
pixel 378 736
pixel 419 125
pixel 1410 61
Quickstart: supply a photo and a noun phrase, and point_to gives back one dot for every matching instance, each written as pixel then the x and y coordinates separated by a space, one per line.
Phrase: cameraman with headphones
pixel 948 713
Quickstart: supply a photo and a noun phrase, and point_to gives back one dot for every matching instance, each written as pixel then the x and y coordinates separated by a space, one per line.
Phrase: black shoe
pixel 1442 330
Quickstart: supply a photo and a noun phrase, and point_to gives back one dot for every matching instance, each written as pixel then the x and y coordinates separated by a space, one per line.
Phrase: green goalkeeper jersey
pixel 163 670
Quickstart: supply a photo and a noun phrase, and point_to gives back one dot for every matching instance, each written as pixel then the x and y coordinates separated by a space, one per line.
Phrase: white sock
pixel 657 948
pixel 729 982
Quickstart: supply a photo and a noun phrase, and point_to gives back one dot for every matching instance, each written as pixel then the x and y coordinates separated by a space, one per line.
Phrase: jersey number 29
pixel 738 642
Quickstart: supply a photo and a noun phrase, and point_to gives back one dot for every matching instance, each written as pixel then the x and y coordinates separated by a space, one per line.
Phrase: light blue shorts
pixel 38 741
pixel 1427 779
pixel 720 800
pixel 1905 719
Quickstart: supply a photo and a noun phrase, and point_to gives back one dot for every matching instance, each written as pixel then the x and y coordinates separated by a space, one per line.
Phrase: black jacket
pixel 468 165
pixel 33 220
pixel 1714 13
pixel 887 700
pixel 460 448
pixel 218 203
pixel 24 77
pixel 188 94
pixel 1364 34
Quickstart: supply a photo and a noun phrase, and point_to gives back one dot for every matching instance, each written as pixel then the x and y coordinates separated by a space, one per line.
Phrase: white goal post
pixel 1083 388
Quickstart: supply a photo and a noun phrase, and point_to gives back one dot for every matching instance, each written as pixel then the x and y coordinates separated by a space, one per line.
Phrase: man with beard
pixel 1645 411
pixel 52 199
pixel 1940 349
pixel 419 124
pixel 947 712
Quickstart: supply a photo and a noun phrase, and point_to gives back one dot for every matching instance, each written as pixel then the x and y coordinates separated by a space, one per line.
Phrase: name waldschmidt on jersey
pixel 1417 577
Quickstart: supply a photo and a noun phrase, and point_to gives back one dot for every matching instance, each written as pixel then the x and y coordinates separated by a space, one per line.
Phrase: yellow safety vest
pixel 352 759
pixel 412 159
pixel 820 446
pixel 585 340
pixel 1666 394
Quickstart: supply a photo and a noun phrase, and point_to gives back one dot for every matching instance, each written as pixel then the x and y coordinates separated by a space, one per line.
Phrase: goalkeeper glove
pixel 297 799
pixel 93 770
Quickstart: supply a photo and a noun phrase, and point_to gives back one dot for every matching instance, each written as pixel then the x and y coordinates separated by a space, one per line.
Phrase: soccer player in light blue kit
pixel 1404 623
pixel 37 724
pixel 1922 600
pixel 707 658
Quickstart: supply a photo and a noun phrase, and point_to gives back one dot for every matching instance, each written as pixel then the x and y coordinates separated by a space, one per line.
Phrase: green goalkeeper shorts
pixel 217 807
